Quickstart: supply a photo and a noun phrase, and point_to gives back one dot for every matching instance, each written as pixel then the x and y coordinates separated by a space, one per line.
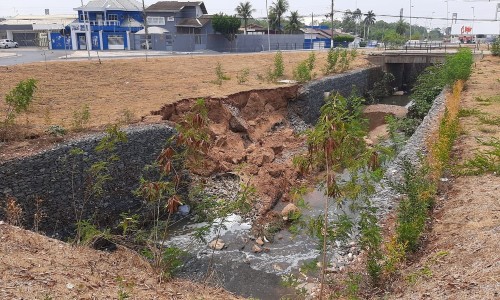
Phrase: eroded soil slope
pixel 461 259
pixel 36 267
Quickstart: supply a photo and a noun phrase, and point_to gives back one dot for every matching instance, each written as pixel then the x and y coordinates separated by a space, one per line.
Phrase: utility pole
pixel 86 22
pixel 312 27
pixel 145 27
pixel 331 20
pixel 268 32
pixel 410 20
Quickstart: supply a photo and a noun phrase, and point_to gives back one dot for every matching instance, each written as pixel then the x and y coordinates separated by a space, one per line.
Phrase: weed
pixel 242 76
pixel 289 280
pixel 128 223
pixel 302 73
pixel 344 60
pixel 220 75
pixel 39 213
pixel 487 130
pixel 352 285
pixel 331 61
pixel 485 161
pixel 56 130
pixel 279 65
pixel 18 100
pixel 126 116
pixel 468 112
pixel 81 118
pixel 309 267
pixel 13 211
pixel 493 120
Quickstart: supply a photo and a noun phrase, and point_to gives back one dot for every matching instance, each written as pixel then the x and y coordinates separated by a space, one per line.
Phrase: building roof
pixel 41 19
pixel 195 22
pixel 103 5
pixel 175 6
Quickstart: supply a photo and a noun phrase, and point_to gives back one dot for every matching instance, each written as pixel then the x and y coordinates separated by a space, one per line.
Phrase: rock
pixel 237 124
pixel 184 210
pixel 70 286
pixel 217 244
pixel 259 241
pixel 398 93
pixel 256 249
pixel 266 240
pixel 261 156
pixel 290 207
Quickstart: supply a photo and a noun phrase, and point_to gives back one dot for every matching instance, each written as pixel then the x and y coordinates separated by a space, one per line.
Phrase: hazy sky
pixel 421 8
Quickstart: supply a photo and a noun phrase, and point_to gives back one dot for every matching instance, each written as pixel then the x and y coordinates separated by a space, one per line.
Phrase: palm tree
pixel 294 22
pixel 357 17
pixel 369 20
pixel 401 27
pixel 279 8
pixel 245 10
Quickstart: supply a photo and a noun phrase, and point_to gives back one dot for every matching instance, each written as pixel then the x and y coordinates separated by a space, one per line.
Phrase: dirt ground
pixel 461 259
pixel 138 86
pixel 127 90
pixel 36 267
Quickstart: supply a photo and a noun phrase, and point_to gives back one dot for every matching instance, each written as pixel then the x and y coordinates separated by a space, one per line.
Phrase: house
pixel 187 24
pixel 33 30
pixel 106 24
pixel 318 37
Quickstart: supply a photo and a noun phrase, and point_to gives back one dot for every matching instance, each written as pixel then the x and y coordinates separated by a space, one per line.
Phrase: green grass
pixel 487 120
pixel 485 161
pixel 468 112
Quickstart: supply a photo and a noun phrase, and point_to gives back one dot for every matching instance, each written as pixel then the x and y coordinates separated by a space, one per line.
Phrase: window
pixel 156 20
pixel 170 19
pixel 83 17
pixel 112 17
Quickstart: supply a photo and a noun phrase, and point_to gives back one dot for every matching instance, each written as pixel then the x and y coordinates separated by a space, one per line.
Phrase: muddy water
pixel 399 100
pixel 244 272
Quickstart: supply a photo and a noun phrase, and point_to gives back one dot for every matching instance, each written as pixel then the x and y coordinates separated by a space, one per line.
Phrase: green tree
pixel 226 25
pixel 369 20
pixel 401 27
pixel 348 22
pixel 278 9
pixel 357 18
pixel 19 99
pixel 245 10
pixel 294 22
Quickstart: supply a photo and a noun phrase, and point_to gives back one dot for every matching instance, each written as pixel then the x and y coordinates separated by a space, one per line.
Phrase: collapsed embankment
pixel 253 132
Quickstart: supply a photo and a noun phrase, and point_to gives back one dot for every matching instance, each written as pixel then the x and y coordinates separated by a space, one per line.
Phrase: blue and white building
pixel 106 25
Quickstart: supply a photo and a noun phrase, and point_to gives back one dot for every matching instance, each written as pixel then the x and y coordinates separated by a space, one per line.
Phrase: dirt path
pixel 461 259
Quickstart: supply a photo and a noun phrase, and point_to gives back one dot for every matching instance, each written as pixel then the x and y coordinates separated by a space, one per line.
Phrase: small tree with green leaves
pixel 226 25
pixel 18 100
pixel 337 143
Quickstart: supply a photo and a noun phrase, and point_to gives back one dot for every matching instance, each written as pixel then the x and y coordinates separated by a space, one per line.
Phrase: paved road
pixel 16 56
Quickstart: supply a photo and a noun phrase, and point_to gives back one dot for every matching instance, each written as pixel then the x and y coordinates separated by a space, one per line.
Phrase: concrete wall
pixel 311 95
pixel 55 176
pixel 255 43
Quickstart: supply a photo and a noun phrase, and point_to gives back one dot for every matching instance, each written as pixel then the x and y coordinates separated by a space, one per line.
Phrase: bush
pixel 343 38
pixel 81 118
pixel 279 66
pixel 303 71
pixel 495 47
pixel 331 61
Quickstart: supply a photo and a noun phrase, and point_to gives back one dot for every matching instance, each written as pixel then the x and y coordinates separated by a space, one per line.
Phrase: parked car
pixel 8 44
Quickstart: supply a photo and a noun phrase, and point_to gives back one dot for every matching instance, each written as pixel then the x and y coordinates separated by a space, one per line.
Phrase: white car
pixel 8 44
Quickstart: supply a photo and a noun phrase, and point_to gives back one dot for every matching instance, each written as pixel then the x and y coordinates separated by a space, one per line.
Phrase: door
pixel 82 42
pixel 116 42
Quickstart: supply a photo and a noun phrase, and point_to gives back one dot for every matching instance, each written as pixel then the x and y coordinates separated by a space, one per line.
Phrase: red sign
pixel 465 29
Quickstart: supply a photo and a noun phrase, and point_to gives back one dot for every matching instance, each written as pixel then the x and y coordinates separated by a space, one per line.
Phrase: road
pixel 16 56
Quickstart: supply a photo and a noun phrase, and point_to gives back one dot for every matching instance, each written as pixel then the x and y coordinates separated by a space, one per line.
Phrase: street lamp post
pixel 447 12
pixel 473 19
pixel 430 26
pixel 268 36
pixel 410 19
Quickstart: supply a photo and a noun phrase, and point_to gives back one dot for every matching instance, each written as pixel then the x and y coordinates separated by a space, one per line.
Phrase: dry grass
pixel 36 267
pixel 136 85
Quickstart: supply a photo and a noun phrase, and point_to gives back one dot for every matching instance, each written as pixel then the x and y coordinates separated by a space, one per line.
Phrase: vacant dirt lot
pixel 137 86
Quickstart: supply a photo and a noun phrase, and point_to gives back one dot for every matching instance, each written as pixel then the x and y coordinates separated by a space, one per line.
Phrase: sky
pixel 483 9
